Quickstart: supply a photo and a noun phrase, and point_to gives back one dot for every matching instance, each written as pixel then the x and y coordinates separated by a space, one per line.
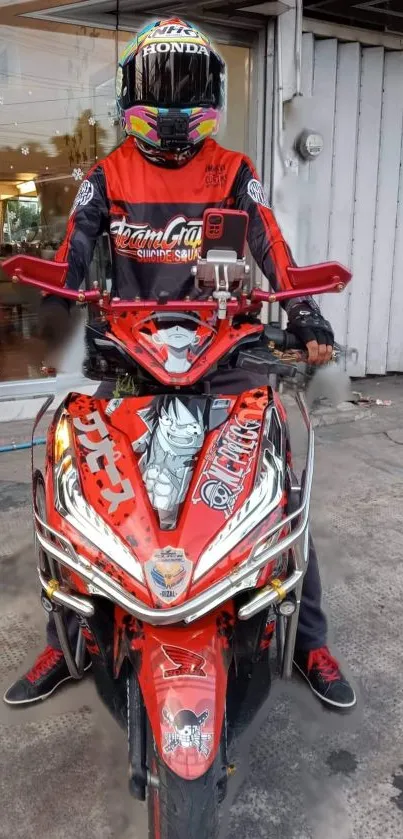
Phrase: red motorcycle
pixel 171 524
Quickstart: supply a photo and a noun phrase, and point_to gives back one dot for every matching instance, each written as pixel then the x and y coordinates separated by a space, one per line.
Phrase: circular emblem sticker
pixel 84 195
pixel 257 193
pixel 217 496
pixel 168 573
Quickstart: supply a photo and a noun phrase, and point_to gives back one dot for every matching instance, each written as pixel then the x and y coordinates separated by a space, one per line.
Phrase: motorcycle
pixel 171 522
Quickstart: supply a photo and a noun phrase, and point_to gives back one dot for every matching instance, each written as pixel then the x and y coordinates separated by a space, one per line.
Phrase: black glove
pixel 307 323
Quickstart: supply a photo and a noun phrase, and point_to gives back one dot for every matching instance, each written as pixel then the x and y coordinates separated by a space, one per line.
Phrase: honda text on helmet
pixel 170 87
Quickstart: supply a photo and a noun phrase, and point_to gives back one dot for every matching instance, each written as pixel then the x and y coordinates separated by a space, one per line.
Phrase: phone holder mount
pixel 223 275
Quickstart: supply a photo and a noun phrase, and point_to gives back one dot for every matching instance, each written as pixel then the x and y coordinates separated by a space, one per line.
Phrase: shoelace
pixel 45 661
pixel 323 661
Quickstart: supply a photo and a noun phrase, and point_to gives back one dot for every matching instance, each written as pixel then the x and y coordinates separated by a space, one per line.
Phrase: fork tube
pixel 80 652
pixel 290 635
pixel 280 641
pixel 65 644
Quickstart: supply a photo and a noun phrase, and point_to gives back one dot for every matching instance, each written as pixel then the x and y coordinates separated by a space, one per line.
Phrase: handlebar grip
pixel 282 339
pixel 292 342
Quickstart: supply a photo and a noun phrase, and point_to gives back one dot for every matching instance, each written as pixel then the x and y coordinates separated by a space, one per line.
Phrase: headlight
pixel 71 504
pixel 265 496
pixel 63 440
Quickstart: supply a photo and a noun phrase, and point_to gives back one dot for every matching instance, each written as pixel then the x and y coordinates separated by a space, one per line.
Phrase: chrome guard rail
pixel 296 542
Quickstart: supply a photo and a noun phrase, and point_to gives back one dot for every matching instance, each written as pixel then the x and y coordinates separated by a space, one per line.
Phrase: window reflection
pixel 57 117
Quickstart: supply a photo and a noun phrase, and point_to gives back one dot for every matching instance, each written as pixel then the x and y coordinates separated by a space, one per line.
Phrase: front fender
pixel 182 673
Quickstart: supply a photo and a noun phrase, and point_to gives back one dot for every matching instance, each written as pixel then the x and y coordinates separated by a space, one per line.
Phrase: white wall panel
pixel 395 332
pixel 386 211
pixel 308 45
pixel 365 202
pixel 333 306
pixel 324 91
pixel 304 202
pixel 352 208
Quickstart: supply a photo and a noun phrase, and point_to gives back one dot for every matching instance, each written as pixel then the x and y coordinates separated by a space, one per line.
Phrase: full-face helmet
pixel 170 87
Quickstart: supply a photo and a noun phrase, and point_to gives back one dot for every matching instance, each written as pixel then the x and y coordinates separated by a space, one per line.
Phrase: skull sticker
pixel 187 732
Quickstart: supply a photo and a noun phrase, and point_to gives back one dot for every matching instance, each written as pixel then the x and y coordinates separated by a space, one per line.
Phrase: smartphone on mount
pixel 224 230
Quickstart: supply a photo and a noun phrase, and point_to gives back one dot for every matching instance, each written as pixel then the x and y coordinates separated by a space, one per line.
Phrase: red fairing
pixel 183 678
pixel 201 348
pixel 165 474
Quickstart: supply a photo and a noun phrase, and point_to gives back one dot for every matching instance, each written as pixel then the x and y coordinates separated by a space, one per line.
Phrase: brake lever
pixel 344 352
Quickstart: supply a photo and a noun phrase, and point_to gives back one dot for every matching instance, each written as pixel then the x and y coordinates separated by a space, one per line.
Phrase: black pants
pixel 312 627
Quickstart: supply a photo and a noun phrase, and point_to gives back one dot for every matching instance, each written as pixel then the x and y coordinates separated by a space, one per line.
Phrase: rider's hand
pixel 307 323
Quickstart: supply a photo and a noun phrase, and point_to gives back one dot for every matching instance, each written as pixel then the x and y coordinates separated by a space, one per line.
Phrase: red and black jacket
pixel 154 214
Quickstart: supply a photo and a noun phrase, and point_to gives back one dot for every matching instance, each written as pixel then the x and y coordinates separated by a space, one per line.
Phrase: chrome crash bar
pixel 99 583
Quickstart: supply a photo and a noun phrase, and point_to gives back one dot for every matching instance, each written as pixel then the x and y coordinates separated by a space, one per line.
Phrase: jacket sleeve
pixel 88 219
pixel 267 245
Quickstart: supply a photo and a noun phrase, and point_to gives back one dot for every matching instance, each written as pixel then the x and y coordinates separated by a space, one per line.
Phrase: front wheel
pixel 179 809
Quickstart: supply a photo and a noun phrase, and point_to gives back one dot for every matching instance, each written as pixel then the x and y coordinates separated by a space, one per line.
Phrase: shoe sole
pixel 44 695
pixel 342 706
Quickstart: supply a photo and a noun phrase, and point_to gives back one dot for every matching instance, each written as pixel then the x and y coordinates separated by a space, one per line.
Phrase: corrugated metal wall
pixel 355 210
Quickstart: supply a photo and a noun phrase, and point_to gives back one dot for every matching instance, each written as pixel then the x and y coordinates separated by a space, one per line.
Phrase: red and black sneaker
pixel 47 674
pixel 325 678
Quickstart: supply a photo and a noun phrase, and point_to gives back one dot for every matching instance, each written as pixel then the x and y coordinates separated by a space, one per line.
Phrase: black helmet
pixel 170 87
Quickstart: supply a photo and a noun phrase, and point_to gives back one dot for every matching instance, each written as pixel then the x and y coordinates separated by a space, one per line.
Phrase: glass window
pixel 235 130
pixel 57 117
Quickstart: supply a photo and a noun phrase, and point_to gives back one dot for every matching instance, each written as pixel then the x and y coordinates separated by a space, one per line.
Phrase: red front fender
pixel 183 678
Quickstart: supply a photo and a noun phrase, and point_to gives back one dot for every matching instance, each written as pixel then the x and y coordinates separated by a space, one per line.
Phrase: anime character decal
pixel 178 341
pixel 177 344
pixel 175 434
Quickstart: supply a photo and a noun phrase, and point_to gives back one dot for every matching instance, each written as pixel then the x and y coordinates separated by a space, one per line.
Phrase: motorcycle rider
pixel 150 195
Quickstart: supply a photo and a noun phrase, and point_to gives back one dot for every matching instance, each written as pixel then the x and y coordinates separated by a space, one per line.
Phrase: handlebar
pixel 49 277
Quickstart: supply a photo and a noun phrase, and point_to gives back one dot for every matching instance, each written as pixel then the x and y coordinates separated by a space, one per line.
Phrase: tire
pixel 179 809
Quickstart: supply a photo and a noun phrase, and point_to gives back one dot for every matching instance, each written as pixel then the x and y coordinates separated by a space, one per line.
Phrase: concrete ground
pixel 306 773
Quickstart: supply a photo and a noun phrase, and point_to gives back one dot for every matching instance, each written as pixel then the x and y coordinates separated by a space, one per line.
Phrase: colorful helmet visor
pixel 171 67
pixel 142 122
